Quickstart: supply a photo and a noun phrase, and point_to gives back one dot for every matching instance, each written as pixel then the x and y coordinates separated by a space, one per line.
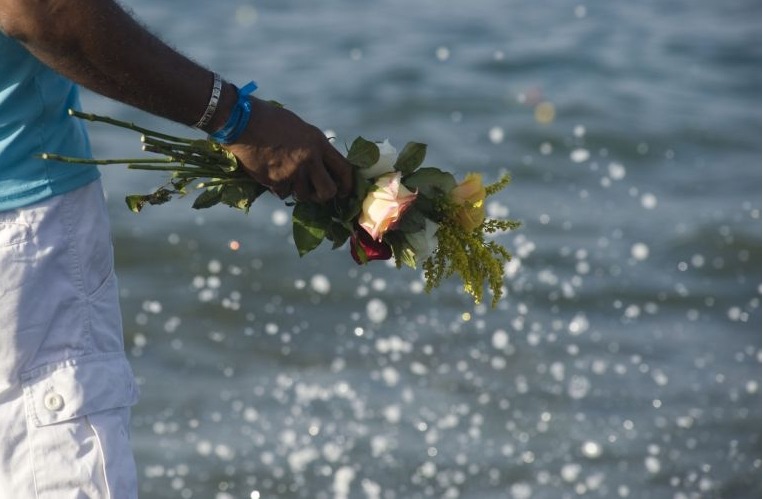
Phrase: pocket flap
pixel 78 387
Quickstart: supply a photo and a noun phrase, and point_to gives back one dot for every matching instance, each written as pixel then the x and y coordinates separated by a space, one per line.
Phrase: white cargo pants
pixel 65 385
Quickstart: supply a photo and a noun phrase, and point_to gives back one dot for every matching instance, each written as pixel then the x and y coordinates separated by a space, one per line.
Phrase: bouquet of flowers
pixel 420 216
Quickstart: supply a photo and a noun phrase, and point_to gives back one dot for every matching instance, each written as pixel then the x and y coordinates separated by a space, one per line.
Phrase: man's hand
pixel 289 156
pixel 85 41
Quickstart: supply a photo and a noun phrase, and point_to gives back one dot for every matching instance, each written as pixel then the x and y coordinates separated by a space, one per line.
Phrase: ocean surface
pixel 624 360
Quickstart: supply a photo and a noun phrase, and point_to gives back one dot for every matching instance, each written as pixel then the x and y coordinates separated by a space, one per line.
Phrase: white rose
pixel 423 242
pixel 386 163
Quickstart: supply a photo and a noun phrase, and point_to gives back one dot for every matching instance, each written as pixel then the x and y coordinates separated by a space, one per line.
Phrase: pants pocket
pixel 105 318
pixel 68 461
pixel 111 429
pixel 15 254
pixel 77 421
pixel 88 457
pixel 89 230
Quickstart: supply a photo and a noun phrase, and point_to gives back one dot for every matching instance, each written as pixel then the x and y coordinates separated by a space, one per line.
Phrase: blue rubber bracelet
pixel 239 117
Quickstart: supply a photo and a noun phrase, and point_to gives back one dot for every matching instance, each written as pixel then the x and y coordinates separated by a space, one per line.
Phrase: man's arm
pixel 98 45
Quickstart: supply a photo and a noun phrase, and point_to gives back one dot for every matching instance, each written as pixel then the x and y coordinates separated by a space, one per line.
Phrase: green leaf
pixel 241 195
pixel 160 196
pixel 410 157
pixel 337 234
pixel 401 249
pixel 350 210
pixel 413 221
pixel 234 196
pixel 430 182
pixel 227 162
pixel 231 164
pixel 363 153
pixel 253 191
pixel 347 209
pixel 428 207
pixel 361 252
pixel 208 198
pixel 310 224
pixel 180 184
pixel 407 256
pixel 136 202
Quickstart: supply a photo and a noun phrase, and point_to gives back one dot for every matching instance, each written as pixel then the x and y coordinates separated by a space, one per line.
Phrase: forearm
pixel 98 45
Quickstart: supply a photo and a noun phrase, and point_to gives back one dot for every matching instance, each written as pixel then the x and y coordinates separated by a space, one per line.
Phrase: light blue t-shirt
pixel 33 119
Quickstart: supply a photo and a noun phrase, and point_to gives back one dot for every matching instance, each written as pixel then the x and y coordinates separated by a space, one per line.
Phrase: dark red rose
pixel 364 248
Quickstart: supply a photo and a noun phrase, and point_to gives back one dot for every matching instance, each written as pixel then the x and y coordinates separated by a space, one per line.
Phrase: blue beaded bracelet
pixel 239 117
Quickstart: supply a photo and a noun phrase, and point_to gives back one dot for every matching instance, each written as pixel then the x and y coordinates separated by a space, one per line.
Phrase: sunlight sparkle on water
pixel 649 201
pixel 442 54
pixel 280 217
pixel 616 171
pixel 591 449
pixel 496 135
pixel 640 251
pixel 320 284
pixel 580 155
pixel 322 379
pixel 376 310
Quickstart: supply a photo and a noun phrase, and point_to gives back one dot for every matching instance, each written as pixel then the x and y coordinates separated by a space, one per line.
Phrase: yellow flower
pixel 384 205
pixel 469 196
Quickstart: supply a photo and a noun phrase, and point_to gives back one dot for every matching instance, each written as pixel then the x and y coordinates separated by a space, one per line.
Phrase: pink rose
pixel 385 204
pixel 364 248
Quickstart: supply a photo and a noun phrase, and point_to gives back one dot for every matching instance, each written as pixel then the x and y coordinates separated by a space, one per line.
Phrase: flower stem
pixel 90 161
pixel 129 126
pixel 183 154
pixel 197 172
pixel 226 181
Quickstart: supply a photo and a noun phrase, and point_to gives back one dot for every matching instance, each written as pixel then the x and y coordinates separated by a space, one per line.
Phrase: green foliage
pixel 347 209
pixel 241 195
pixel 215 173
pixel 413 220
pixel 338 233
pixel 363 153
pixel 491 226
pixel 310 225
pixel 160 196
pixel 467 254
pixel 501 184
pixel 135 202
pixel 208 198
pixel 401 249
pixel 410 157
pixel 431 182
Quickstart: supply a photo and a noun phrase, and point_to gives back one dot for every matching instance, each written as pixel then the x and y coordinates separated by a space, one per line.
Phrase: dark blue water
pixel 625 359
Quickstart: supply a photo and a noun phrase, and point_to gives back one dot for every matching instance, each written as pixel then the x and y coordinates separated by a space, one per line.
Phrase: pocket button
pixel 53 401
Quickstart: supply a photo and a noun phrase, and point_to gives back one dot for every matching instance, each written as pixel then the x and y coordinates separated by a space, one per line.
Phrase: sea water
pixel 623 361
